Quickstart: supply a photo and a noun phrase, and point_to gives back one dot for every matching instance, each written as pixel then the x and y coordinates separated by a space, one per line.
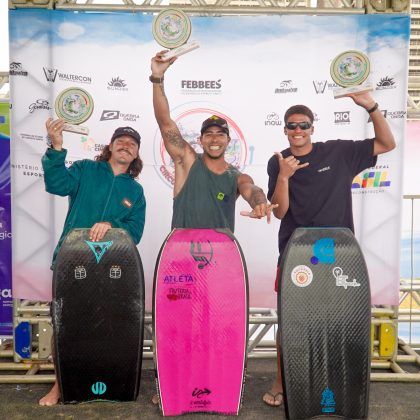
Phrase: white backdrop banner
pixel 249 70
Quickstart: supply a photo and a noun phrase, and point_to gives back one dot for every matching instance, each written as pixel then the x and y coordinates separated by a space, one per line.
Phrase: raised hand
pixel 55 132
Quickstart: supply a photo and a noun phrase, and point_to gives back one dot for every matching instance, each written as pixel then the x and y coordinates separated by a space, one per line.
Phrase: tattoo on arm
pixel 257 197
pixel 175 139
pixel 162 90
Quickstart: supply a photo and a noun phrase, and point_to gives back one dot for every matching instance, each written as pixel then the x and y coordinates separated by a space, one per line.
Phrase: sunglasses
pixel 302 125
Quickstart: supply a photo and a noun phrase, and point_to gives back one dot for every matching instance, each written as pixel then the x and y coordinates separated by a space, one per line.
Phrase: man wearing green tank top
pixel 206 186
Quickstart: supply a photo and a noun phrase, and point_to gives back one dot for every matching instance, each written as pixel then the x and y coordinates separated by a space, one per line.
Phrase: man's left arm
pixel 255 197
pixel 384 139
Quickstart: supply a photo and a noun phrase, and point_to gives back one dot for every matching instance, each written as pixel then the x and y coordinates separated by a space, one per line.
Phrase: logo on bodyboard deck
pixel 115 272
pixel 80 272
pixel 202 253
pixel 99 248
pixel 302 276
pixel 98 388
pixel 328 401
pixel 341 279
pixel 323 251
pixel 200 393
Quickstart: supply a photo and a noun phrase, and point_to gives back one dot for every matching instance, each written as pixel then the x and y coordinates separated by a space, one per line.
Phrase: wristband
pixel 373 109
pixel 154 79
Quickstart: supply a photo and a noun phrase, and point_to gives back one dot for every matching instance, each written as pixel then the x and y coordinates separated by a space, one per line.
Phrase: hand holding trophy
pixel 74 106
pixel 171 29
pixel 350 70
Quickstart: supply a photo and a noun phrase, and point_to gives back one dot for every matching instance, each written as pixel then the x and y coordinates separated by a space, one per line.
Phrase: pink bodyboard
pixel 200 319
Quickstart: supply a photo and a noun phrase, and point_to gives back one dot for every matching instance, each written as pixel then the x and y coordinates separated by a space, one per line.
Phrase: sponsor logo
pixel 108 115
pixel 5 293
pixel 342 117
pixel 200 393
pixel 99 248
pixel 115 272
pixel 117 84
pixel 202 253
pixel 178 294
pixel 36 137
pixel 15 69
pixel 286 86
pixel 396 114
pixel 272 119
pixel 98 388
pixel 323 251
pixel 328 401
pixel 200 87
pixel 5 235
pixel 127 203
pixel 51 75
pixel 176 279
pixel 88 143
pixel 371 179
pixel 28 170
pixel 302 276
pixel 319 86
pixel 80 272
pixel 341 279
pixel 189 123
pixel 326 168
pixel 386 83
pixel 39 104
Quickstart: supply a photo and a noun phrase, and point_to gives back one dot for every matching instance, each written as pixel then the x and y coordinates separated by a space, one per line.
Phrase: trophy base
pixel 341 92
pixel 74 128
pixel 183 49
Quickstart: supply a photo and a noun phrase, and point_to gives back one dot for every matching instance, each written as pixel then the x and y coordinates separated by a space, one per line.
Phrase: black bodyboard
pixel 324 321
pixel 98 317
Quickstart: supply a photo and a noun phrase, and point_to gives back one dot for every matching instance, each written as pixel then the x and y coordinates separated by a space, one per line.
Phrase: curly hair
pixel 135 166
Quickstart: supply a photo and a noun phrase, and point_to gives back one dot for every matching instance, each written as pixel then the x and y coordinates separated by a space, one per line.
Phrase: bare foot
pixel 274 397
pixel 155 399
pixel 52 397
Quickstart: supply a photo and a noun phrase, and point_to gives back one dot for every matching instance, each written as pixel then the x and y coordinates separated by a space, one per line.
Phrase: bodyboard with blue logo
pixel 200 319
pixel 98 317
pixel 324 320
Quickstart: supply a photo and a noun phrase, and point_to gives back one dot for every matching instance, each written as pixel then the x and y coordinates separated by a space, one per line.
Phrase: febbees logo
pixel 206 87
pixel 189 123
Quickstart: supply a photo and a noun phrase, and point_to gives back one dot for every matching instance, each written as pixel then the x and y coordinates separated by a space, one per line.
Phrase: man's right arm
pixel 180 150
pixel 287 167
pixel 58 179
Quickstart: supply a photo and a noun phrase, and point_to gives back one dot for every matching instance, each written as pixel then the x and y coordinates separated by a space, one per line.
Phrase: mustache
pixel 125 150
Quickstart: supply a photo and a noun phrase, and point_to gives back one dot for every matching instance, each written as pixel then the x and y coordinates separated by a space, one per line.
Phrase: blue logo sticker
pixel 99 388
pixel 328 401
pixel 99 248
pixel 323 251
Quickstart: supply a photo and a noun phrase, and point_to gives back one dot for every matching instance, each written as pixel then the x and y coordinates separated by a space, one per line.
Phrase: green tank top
pixel 207 200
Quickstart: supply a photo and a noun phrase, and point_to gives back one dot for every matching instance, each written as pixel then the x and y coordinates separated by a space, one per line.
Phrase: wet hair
pixel 299 109
pixel 135 166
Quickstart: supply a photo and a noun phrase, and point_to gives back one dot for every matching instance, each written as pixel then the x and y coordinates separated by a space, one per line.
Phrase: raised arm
pixel 384 139
pixel 180 150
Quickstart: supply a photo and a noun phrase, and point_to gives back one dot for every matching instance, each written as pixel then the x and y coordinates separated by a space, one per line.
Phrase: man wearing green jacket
pixel 103 193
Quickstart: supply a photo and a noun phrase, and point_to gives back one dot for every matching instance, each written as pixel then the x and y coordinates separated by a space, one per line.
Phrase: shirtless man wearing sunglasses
pixel 311 182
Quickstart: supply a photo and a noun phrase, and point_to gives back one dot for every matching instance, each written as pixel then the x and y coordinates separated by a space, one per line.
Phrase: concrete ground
pixel 388 400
